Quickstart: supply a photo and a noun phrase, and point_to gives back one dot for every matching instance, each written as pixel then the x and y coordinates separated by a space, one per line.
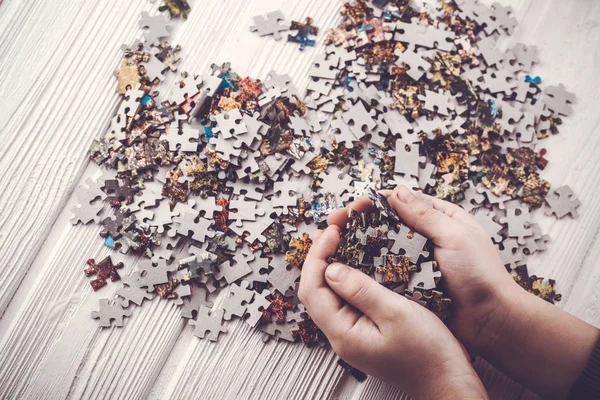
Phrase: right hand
pixel 472 271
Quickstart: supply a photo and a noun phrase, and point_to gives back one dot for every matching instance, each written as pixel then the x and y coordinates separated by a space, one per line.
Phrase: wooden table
pixel 57 92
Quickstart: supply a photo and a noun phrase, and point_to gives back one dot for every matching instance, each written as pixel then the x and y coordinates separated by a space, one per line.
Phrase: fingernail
pixel 335 271
pixel 403 194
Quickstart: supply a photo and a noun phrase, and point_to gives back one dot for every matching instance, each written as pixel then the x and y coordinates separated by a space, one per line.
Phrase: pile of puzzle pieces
pixel 215 179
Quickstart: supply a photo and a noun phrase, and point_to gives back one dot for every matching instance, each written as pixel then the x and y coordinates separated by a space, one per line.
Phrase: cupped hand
pixel 472 271
pixel 381 332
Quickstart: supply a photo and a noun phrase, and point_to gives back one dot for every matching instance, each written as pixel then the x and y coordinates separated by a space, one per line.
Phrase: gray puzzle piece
pixel 110 311
pixel 271 25
pixel 132 292
pixel 236 301
pixel 562 201
pixel 208 323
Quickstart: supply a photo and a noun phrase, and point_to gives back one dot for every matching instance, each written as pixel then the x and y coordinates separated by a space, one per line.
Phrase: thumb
pixel 421 217
pixel 361 291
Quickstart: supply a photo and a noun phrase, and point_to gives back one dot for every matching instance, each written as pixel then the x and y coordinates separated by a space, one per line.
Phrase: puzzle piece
pixel 486 219
pixel 559 100
pixel 103 270
pixel 229 124
pixel 408 243
pixel 417 66
pixel 234 271
pixel 359 120
pixel 148 275
pixel 184 139
pixel 255 309
pixel 198 298
pixel 236 300
pixel 241 210
pixel 110 311
pixel 406 158
pixel 283 276
pixel 509 253
pixel 519 224
pixel 303 33
pixel 437 102
pixel 208 323
pixel 132 292
pixel 156 28
pixel 562 201
pixel 271 25
pixel 425 277
pixel 198 226
pixel 425 36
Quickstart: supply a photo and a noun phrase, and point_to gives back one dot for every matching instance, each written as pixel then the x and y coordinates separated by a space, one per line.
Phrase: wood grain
pixel 57 92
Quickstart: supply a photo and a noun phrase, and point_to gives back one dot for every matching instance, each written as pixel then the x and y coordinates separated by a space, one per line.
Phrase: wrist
pixel 451 380
pixel 503 319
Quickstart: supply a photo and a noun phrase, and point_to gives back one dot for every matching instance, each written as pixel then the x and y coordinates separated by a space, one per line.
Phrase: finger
pixel 323 305
pixel 362 292
pixel 422 218
pixel 449 209
pixel 316 235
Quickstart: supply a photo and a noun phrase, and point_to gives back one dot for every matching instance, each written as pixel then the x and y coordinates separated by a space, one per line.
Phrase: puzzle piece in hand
pixel 426 277
pixel 103 270
pixel 411 242
pixel 110 311
pixel 156 28
pixel 208 323
pixel 237 299
pixel 132 292
pixel 519 223
pixel 407 159
pixel 271 25
pixel 562 201
pixel 303 33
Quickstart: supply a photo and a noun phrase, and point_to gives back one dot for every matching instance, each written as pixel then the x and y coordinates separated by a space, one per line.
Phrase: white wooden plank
pixel 56 91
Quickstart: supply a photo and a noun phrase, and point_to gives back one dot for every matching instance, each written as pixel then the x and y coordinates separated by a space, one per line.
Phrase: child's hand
pixel 472 272
pixel 381 332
